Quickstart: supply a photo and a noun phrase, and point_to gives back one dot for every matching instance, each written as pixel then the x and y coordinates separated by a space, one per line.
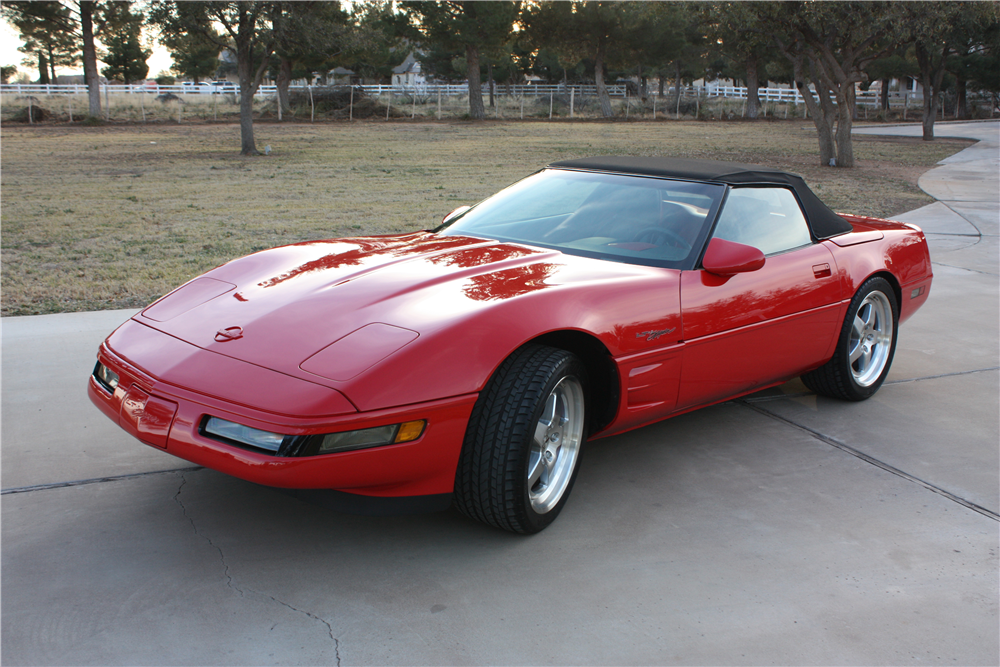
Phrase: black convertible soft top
pixel 823 222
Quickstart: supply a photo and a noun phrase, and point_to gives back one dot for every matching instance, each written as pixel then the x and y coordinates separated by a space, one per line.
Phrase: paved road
pixel 783 528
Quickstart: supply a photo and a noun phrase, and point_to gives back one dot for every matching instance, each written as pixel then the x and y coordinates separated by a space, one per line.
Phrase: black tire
pixel 502 451
pixel 869 330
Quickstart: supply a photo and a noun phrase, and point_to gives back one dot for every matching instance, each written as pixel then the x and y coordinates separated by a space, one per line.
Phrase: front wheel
pixel 865 348
pixel 524 440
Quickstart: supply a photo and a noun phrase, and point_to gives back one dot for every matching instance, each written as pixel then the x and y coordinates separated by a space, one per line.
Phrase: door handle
pixel 822 270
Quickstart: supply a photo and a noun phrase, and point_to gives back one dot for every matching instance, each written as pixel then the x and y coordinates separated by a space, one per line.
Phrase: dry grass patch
pixel 111 217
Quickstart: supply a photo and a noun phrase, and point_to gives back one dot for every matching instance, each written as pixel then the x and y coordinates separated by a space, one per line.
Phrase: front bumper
pixel 167 416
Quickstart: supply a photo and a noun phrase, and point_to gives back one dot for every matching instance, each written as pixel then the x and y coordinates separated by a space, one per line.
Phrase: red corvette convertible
pixel 470 364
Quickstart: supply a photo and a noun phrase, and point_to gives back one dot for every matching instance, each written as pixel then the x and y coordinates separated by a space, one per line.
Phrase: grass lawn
pixel 112 217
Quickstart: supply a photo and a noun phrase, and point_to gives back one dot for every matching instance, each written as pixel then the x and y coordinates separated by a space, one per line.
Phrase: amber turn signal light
pixel 410 431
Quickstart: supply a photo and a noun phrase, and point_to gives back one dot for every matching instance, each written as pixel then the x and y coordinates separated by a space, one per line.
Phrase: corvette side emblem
pixel 653 335
pixel 229 333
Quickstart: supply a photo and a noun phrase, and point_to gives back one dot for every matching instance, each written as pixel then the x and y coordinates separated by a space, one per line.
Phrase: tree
pixel 308 37
pixel 578 30
pixel 71 20
pixel 250 28
pixel 942 34
pixel 195 55
pixel 745 52
pixel 125 57
pixel 376 40
pixel 7 72
pixel 47 30
pixel 828 44
pixel 478 28
pixel 982 64
pixel 893 66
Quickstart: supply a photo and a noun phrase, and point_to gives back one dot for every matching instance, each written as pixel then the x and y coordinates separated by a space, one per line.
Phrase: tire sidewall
pixel 533 522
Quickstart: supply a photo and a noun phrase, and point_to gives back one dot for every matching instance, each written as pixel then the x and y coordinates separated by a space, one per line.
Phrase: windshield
pixel 636 219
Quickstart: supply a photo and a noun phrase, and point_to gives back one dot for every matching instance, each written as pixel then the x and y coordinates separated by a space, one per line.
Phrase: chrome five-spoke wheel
pixel 871 339
pixel 555 445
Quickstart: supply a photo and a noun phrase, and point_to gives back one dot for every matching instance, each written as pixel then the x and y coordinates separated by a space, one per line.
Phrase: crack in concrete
pixel 229 577
pixel 222 556
pixel 94 480
pixel 329 628
pixel 822 437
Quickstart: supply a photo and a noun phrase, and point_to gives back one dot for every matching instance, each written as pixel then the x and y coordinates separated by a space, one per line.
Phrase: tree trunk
pixel 247 144
pixel 476 109
pixel 753 100
pixel 90 59
pixel 677 84
pixel 602 90
pixel 43 69
pixel 930 110
pixel 845 120
pixel 247 90
pixel 961 108
pixel 931 80
pixel 489 79
pixel 883 96
pixel 284 78
pixel 818 110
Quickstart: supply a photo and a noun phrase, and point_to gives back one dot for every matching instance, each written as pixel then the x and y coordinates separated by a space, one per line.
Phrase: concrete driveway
pixel 779 529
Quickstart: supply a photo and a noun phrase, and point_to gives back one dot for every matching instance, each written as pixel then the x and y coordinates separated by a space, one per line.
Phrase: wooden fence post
pixel 550 105
pixel 312 106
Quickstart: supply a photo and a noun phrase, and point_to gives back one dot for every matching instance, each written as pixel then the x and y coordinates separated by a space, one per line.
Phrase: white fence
pixel 766 95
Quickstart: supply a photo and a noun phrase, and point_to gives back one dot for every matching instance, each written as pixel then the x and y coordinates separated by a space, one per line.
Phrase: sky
pixel 9 55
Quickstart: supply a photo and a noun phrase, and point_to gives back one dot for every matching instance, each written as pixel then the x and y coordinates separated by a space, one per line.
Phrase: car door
pixel 755 328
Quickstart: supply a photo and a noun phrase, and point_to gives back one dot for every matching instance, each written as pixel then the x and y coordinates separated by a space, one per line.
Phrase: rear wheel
pixel 523 444
pixel 865 348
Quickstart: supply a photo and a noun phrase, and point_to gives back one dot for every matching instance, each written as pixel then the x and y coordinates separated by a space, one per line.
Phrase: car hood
pixel 285 308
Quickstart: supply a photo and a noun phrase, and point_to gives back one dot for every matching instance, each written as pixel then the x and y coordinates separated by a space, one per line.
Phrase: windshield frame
pixel 715 191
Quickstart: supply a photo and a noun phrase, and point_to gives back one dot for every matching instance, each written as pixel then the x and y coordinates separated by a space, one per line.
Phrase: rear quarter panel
pixel 901 252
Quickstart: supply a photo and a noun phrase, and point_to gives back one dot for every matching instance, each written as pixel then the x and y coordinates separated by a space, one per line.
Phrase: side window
pixel 768 219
